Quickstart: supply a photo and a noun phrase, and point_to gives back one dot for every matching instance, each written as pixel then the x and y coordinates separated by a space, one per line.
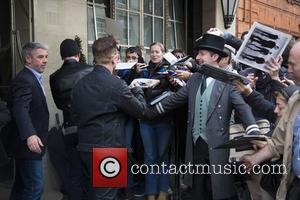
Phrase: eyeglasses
pixel 131 57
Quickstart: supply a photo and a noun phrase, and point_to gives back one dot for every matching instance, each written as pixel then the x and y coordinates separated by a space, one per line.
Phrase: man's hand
pixel 34 143
pixel 216 31
pixel 274 66
pixel 287 82
pixel 173 82
pixel 254 159
pixel 134 84
pixel 154 83
pixel 249 161
pixel 253 79
pixel 257 144
pixel 244 89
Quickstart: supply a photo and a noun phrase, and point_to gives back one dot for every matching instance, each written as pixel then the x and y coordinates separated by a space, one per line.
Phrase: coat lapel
pixel 194 89
pixel 38 85
pixel 215 97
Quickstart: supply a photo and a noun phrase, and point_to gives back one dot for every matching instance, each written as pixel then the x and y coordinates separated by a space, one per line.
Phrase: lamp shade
pixel 229 10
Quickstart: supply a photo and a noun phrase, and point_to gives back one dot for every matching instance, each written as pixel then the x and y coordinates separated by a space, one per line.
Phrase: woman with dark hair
pixel 139 70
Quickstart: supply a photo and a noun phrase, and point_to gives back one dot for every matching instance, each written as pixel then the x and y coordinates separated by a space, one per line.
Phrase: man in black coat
pixel 100 102
pixel 30 113
pixel 62 82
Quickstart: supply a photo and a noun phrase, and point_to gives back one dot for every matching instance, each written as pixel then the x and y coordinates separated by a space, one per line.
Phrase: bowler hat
pixel 212 43
pixel 69 48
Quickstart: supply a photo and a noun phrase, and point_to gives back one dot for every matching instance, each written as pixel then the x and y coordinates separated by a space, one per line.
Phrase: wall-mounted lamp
pixel 229 10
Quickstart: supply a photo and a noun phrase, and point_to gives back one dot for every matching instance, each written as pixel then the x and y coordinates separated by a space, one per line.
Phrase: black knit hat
pixel 68 48
pixel 287 92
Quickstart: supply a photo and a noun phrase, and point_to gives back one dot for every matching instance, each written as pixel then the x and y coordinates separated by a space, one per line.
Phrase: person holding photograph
pixel 156 134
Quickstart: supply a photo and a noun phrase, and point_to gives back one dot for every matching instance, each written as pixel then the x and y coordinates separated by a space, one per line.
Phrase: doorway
pixel 16 21
pixel 16 29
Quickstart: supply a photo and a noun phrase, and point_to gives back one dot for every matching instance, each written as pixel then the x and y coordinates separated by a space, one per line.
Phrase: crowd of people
pixel 105 107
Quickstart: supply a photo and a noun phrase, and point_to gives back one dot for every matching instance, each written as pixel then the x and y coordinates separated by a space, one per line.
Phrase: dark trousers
pixel 294 190
pixel 28 183
pixel 129 131
pixel 201 189
pixel 75 183
pixel 69 168
pixel 96 193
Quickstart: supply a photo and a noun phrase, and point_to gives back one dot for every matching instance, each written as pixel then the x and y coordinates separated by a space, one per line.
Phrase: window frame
pixel 142 14
pixel 93 5
pixel 175 23
pixel 128 12
pixel 165 20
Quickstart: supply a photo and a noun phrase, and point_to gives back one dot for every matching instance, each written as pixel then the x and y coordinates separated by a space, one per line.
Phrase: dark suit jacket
pixel 4 115
pixel 30 113
pixel 223 100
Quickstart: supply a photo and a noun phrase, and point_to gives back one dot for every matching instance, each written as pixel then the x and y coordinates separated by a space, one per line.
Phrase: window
pixel 144 22
pixel 96 25
pixel 176 39
pixel 153 21
pixel 128 12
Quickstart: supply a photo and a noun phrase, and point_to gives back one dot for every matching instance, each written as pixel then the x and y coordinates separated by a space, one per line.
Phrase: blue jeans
pixel 129 131
pixel 28 183
pixel 156 138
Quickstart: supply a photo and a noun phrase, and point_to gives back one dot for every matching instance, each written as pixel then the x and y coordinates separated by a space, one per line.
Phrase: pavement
pixel 55 195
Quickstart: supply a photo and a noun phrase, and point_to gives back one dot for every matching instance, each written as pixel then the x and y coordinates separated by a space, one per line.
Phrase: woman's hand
pixel 140 67
pixel 273 66
pixel 183 75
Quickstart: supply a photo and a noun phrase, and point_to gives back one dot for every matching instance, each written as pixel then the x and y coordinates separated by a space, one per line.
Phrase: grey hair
pixel 29 47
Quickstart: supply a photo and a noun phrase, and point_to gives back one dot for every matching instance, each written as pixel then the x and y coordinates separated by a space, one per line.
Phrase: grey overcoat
pixel 224 98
